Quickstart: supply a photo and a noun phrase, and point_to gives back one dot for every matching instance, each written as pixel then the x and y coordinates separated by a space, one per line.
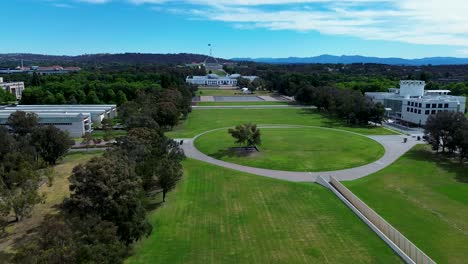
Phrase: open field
pixel 224 92
pixel 54 196
pixel 425 197
pixel 115 133
pixel 296 149
pixel 217 215
pixel 201 120
pixel 241 103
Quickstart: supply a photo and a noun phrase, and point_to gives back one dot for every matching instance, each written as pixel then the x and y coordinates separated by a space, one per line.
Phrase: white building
pixel 215 80
pixel 76 119
pixel 413 105
pixel 15 88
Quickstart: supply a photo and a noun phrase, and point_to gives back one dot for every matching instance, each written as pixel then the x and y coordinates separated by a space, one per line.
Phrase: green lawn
pixel 240 103
pixel 224 92
pixel 425 196
pixel 115 133
pixel 296 149
pixel 201 120
pixel 218 215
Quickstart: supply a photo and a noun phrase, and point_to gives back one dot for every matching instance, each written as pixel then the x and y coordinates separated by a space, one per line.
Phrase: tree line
pixel 448 132
pixel 111 195
pixel 349 105
pixel 26 154
pixel 100 85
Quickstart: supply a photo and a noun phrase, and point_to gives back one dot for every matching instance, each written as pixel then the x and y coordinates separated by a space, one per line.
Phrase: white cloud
pixel 435 22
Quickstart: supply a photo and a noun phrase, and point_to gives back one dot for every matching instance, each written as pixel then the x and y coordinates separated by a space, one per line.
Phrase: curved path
pixel 393 144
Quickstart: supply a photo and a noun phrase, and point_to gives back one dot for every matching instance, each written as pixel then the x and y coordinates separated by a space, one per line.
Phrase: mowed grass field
pixel 425 196
pixel 217 215
pixel 226 92
pixel 201 120
pixel 296 149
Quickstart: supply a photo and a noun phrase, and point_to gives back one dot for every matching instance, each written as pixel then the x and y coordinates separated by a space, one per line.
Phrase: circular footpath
pixel 393 145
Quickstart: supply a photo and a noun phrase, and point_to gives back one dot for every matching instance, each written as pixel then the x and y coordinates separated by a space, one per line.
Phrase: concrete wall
pixel 391 236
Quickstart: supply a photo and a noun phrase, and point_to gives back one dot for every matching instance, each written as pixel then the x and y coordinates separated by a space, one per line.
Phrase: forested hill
pixel 122 58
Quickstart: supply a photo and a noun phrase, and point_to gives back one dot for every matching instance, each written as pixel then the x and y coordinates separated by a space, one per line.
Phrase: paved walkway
pixel 393 144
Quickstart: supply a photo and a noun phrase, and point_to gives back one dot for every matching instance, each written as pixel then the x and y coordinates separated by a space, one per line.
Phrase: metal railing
pixel 411 250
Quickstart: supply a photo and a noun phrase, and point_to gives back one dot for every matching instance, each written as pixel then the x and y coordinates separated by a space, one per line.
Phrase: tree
pixel 246 134
pixel 18 188
pixel 60 99
pixel 461 141
pixel 22 123
pixel 441 128
pixel 36 80
pixel 54 243
pixel 51 143
pixel 68 239
pixel 243 82
pixel 156 157
pixel 108 188
pixel 121 98
pixel 169 173
pixel 8 143
pixel 107 126
pixel 87 138
pixel 92 98
pixel 6 97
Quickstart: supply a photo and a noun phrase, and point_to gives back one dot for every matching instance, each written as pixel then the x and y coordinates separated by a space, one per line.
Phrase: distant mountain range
pixel 330 59
pixel 184 58
pixel 134 58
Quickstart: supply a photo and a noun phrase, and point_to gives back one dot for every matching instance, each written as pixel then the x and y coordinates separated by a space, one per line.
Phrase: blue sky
pixel 237 28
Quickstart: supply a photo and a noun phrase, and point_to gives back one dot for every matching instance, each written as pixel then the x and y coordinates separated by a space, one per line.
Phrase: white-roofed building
pixel 76 119
pixel 215 80
pixel 412 104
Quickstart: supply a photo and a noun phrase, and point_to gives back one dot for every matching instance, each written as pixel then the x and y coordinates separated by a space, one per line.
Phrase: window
pixel 445 105
pixel 407 109
pixel 420 105
pixel 428 105
pixel 433 112
pixel 419 111
pixel 434 105
pixel 427 112
pixel 440 105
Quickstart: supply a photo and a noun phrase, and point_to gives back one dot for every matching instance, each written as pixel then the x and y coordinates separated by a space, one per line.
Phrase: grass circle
pixel 296 149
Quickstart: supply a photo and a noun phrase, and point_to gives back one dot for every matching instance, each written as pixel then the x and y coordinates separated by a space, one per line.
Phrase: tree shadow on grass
pixel 233 152
pixel 154 205
pixel 446 161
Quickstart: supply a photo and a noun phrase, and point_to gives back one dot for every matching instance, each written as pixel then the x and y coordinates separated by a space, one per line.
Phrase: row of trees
pixel 112 194
pixel 157 108
pixel 100 85
pixel 25 155
pixel 346 104
pixel 448 132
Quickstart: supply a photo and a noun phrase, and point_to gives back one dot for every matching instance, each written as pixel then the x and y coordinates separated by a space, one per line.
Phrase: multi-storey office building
pixel 15 88
pixel 413 105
